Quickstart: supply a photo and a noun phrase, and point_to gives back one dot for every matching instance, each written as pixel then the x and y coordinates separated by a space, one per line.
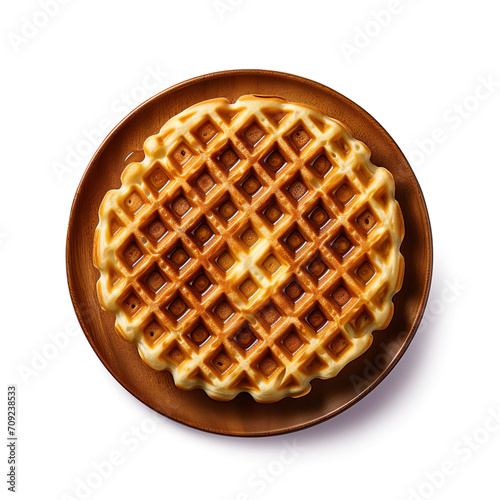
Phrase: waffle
pixel 254 249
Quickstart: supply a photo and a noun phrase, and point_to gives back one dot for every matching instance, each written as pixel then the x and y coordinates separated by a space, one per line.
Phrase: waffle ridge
pixel 255 248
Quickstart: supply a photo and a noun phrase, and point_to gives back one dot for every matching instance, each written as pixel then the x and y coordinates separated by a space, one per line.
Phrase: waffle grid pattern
pixel 255 248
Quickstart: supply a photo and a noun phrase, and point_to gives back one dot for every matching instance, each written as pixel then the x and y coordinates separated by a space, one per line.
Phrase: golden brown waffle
pixel 255 248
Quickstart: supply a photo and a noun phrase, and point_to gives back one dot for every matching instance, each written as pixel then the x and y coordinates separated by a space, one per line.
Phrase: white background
pixel 417 72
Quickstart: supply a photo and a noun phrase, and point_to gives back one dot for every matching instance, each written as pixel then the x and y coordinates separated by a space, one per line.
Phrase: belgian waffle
pixel 255 248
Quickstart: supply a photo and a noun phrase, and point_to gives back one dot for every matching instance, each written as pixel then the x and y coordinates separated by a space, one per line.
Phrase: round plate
pixel 243 416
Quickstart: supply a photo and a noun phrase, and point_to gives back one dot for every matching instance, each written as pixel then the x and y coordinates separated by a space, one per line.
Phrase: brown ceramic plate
pixel 243 416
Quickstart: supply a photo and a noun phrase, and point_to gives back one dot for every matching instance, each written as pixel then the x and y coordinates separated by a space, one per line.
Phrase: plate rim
pixel 429 250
